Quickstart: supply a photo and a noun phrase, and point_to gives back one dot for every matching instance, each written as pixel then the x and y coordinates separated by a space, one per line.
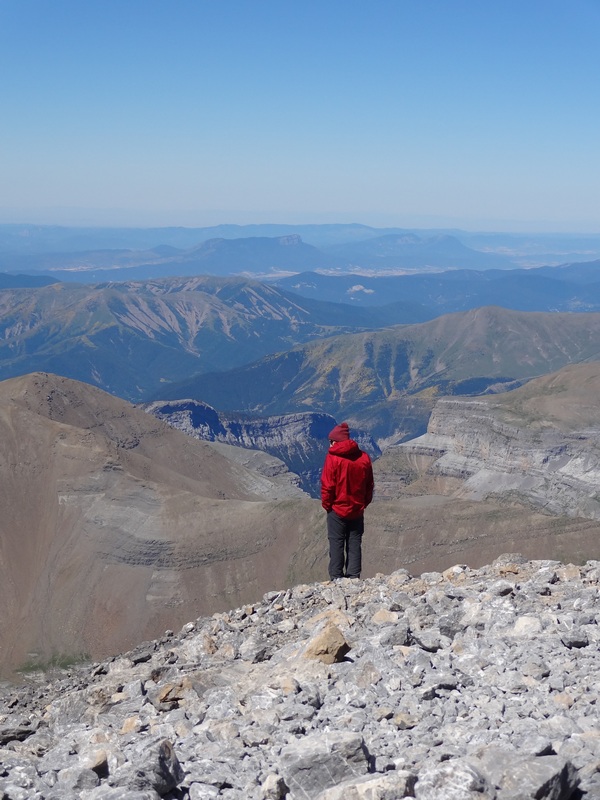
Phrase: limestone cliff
pixel 299 440
pixel 540 442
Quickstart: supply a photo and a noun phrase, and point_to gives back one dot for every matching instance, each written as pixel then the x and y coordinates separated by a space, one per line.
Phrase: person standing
pixel 346 490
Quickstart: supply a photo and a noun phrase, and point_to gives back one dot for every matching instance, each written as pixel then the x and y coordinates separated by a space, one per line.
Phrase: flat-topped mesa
pixel 477 441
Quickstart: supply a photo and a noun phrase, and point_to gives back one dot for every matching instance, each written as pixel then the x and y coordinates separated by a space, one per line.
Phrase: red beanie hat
pixel 341 433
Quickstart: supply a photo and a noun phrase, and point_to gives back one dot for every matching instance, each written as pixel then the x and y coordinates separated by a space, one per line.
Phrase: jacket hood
pixel 346 449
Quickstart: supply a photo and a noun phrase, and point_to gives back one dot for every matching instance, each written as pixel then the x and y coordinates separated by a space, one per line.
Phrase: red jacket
pixel 346 480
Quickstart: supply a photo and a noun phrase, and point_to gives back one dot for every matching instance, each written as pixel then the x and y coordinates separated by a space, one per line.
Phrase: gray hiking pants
pixel 345 546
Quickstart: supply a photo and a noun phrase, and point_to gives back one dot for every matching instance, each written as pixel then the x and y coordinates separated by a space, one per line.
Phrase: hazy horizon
pixel 114 218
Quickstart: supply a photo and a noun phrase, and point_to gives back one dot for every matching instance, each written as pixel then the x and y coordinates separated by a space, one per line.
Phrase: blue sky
pixel 480 114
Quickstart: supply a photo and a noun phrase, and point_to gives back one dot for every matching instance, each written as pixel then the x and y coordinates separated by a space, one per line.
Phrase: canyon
pixel 299 440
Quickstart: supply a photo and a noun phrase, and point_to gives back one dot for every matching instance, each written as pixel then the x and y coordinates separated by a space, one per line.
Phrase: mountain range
pixel 387 381
pixel 257 256
pixel 570 287
pixel 116 526
pixel 128 338
pixel 174 339
pixel 28 238
pixel 525 249
pixel 410 251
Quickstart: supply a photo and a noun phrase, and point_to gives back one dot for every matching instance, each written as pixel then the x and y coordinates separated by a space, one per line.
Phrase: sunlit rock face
pixel 507 445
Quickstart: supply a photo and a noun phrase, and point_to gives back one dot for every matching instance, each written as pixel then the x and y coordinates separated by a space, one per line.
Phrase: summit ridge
pixel 462 684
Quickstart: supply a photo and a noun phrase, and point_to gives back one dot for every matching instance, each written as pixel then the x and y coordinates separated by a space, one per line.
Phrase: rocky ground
pixel 467 684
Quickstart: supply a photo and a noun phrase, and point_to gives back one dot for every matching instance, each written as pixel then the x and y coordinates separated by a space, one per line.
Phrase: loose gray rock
pixel 155 767
pixel 467 684
pixel 390 786
pixel 454 780
pixel 315 763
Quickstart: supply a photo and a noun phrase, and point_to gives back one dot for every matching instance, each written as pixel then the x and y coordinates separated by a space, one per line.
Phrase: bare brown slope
pixel 433 532
pixel 115 526
pixel 568 399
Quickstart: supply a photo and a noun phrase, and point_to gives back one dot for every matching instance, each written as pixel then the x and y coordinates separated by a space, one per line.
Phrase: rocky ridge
pixel 456 685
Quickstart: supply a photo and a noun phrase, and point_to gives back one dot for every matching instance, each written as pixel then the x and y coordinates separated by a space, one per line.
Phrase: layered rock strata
pixel 467 684
pixel 299 440
pixel 469 440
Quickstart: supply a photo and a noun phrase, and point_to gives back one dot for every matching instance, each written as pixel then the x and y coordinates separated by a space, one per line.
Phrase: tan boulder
pixel 327 644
